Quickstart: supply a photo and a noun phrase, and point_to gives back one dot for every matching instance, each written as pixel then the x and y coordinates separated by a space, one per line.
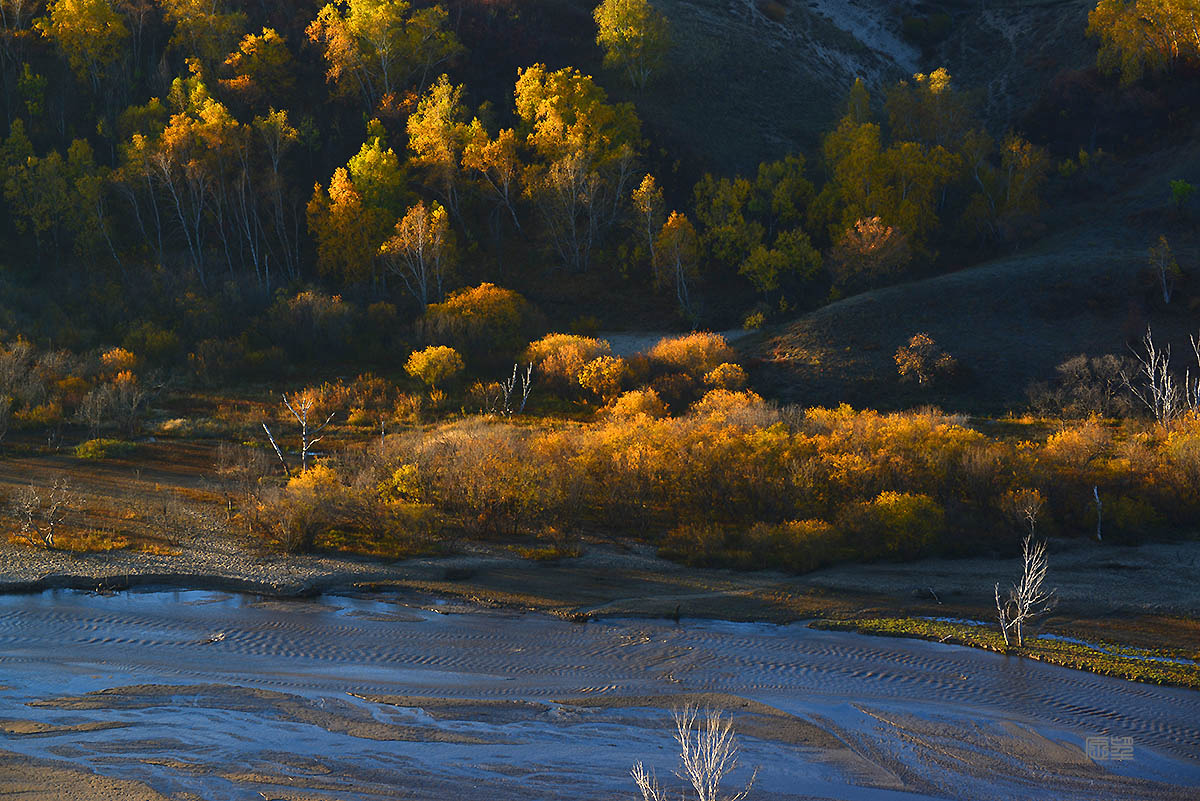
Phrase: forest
pixel 416 234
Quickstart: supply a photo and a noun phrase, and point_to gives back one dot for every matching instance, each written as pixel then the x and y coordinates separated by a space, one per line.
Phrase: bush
pixel 558 358
pixel 693 354
pixel 897 525
pixel 435 365
pixel 104 449
pixel 726 376
pixel 604 377
pixel 117 360
pixel 151 341
pixel 486 324
pixel 639 401
pixel 923 360
pixel 677 390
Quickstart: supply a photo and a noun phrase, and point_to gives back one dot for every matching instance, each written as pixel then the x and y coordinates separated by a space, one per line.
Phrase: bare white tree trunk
pixel 708 753
pixel 1028 598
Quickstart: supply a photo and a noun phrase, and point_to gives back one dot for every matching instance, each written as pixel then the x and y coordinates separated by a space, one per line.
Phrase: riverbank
pixel 1137 597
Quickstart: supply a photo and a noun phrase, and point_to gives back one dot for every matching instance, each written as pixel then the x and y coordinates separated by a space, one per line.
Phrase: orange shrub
pixel 638 402
pixel 603 377
pixel 694 354
pixel 486 323
pixel 726 376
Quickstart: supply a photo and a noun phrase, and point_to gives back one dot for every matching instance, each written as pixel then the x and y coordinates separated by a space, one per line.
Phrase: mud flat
pixel 202 694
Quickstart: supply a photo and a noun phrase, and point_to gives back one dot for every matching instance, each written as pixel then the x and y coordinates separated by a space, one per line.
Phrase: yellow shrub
pixel 434 365
pixel 695 354
pixel 734 407
pixel 894 524
pixel 603 376
pixel 726 376
pixel 638 402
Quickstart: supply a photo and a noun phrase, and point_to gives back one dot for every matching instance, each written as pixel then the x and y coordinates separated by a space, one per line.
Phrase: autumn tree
pixel 90 33
pixel 648 203
pixel 634 36
pixel 378 48
pixel 437 134
pixel 353 217
pixel 496 164
pixel 929 110
pixel 585 149
pixel 867 255
pixel 1140 36
pixel 678 251
pixel 261 68
pixel 204 29
pixel 420 251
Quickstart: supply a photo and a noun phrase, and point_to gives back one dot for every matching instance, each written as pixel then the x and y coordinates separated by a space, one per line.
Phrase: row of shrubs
pixel 734 481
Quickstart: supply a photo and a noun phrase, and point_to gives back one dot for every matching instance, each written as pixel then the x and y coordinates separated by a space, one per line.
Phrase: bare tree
pixel 1156 386
pixel 1027 598
pixel 40 512
pixel 1023 507
pixel 302 406
pixel 708 753
pixel 517 381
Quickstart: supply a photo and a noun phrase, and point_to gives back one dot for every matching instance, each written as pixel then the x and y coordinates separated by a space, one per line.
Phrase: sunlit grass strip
pixel 1127 663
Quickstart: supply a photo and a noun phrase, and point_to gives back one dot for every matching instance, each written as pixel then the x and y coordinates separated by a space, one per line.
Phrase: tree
pixel 496 163
pixel 1140 36
pixel 634 36
pixel 40 511
pixel 377 48
pixel 204 30
pixel 437 135
pixel 1027 598
pixel 262 68
pixel 1006 193
pixel 648 201
pixel 302 405
pixel 922 359
pixel 354 216
pixel 1164 266
pixel 929 110
pixel 867 255
pixel 586 148
pixel 90 33
pixel 792 255
pixel 708 753
pixel 420 251
pixel 678 251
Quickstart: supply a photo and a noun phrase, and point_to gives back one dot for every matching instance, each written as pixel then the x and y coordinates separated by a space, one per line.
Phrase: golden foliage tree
pixel 635 37
pixel 1140 36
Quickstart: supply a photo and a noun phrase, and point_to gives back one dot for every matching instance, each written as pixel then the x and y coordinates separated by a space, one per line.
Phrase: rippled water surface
pixel 232 697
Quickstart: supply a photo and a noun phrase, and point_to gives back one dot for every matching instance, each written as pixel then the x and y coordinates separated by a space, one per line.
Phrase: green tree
pixel 635 37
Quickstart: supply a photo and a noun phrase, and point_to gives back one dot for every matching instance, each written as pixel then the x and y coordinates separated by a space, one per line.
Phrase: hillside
pixel 1084 288
pixel 746 85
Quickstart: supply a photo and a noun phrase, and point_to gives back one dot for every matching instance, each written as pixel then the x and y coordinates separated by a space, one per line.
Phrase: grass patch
pixel 380 545
pixel 1134 664
pixel 104 449
pixel 546 553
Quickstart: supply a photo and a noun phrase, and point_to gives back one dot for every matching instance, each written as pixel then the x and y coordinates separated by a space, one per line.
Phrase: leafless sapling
pixel 510 386
pixel 1027 598
pixel 708 753
pixel 40 512
pixel 302 406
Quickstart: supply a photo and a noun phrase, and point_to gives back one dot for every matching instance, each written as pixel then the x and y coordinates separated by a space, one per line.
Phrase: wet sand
pixel 214 696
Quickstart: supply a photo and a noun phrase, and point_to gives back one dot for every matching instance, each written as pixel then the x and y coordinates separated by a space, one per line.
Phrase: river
pixel 370 697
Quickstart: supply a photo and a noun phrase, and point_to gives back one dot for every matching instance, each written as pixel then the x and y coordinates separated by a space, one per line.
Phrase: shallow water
pixel 896 718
